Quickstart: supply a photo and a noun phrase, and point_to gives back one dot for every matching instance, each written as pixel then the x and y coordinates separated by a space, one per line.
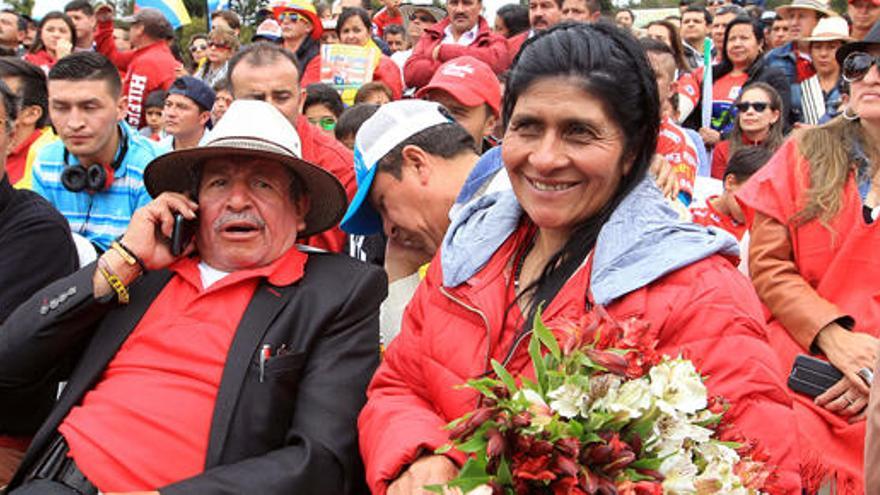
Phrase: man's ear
pixel 302 100
pixel 122 107
pixel 419 161
pixel 488 127
pixel 204 117
pixel 302 206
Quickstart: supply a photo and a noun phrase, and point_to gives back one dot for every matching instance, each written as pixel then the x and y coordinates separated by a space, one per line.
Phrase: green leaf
pixel 472 475
pixel 538 363
pixel 444 449
pixel 434 488
pixel 546 336
pixel 648 463
pixel 484 386
pixel 505 377
pixel 504 476
pixel 474 444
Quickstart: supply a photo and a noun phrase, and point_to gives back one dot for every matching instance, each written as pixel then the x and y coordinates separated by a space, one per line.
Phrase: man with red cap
pixel 471 92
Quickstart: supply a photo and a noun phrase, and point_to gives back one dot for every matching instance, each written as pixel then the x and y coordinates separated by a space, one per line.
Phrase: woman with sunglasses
pixel 813 259
pixel 758 123
pixel 222 45
pixel 56 37
pixel 741 64
pixel 354 28
pixel 198 49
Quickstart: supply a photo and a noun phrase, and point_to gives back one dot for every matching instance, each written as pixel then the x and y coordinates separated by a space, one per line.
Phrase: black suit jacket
pixel 295 433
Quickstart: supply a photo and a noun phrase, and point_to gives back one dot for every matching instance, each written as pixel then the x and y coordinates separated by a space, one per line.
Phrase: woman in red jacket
pixel 353 28
pixel 56 37
pixel 582 226
pixel 812 214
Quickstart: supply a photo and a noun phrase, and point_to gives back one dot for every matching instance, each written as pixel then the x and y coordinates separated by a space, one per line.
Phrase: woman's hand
pixel 63 49
pixel 849 352
pixel 844 399
pixel 150 223
pixel 710 136
pixel 430 470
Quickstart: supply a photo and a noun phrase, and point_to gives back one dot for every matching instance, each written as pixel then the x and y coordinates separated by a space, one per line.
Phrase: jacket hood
pixel 642 241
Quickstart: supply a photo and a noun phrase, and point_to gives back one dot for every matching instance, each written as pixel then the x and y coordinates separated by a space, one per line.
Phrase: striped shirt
pixel 104 216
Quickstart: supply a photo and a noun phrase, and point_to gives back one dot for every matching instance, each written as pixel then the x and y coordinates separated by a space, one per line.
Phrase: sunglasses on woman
pixel 218 45
pixel 326 123
pixel 759 106
pixel 856 66
pixel 198 48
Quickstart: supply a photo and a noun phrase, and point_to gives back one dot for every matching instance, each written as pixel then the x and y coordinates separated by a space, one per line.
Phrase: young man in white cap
pixel 793 58
pixel 238 364
pixel 411 161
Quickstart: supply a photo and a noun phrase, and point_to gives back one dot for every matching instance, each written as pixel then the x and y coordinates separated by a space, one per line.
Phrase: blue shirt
pixel 103 216
pixel 784 58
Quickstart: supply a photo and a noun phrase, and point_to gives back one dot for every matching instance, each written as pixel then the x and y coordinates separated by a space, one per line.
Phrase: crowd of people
pixel 267 262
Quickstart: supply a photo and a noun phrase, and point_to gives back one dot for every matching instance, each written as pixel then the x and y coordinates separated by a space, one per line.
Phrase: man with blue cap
pixel 187 113
pixel 411 159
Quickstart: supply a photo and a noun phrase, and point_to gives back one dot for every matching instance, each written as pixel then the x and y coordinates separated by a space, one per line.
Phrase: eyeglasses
pixel 856 66
pixel 326 123
pixel 421 18
pixel 197 48
pixel 218 45
pixel 759 106
pixel 288 16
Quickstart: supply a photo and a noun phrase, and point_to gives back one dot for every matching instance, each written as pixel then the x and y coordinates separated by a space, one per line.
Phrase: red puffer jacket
pixel 421 65
pixel 706 311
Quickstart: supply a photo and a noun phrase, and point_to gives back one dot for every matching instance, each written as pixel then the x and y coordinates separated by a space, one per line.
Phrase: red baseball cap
pixel 468 80
pixel 875 2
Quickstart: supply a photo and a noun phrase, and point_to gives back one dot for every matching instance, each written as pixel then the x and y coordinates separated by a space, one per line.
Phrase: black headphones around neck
pixel 96 177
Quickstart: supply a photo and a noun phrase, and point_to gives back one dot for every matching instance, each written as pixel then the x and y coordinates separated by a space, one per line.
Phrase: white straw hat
pixel 253 129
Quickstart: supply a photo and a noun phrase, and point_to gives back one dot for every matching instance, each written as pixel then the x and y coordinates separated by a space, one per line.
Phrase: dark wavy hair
pixel 609 64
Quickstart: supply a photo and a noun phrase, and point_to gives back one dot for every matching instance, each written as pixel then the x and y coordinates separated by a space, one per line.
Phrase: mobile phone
pixel 182 233
pixel 811 376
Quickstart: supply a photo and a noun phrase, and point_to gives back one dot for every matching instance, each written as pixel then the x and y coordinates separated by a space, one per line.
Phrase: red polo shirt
pixel 147 421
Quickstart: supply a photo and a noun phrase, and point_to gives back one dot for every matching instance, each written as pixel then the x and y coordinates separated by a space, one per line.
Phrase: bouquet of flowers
pixel 606 414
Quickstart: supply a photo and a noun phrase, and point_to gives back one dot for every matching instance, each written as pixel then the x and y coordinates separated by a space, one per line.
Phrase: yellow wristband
pixel 127 256
pixel 114 282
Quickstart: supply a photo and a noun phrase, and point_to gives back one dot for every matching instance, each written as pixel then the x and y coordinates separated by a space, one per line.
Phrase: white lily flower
pixel 678 387
pixel 568 400
pixel 680 473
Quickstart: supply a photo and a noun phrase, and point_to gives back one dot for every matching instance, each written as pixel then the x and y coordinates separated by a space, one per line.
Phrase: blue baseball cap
pixel 195 89
pixel 391 125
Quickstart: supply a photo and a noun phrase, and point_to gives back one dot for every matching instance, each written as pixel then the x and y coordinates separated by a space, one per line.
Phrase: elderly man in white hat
pixel 793 57
pixel 238 366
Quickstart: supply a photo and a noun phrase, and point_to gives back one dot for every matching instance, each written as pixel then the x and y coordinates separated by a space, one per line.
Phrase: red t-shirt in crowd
pixel 147 421
pixel 709 216
pixel 679 150
pixel 383 18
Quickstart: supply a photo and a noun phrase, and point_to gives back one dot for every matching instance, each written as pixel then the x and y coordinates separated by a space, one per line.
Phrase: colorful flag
pixel 174 10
